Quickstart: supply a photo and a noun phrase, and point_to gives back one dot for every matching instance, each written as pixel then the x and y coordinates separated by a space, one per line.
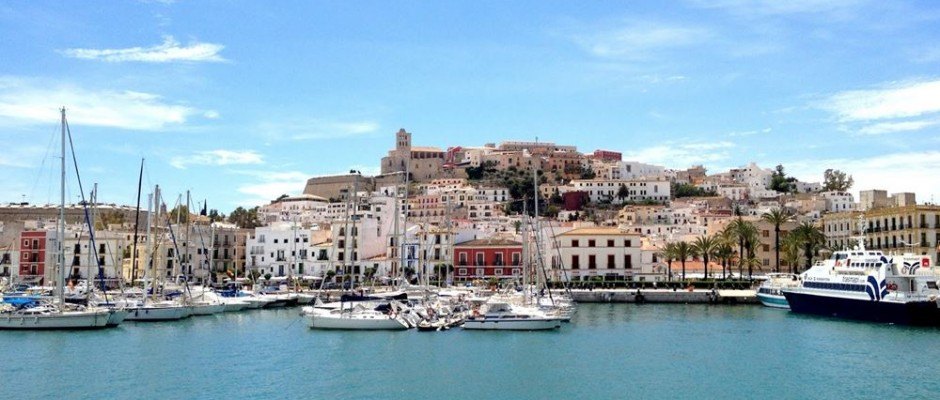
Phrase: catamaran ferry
pixel 869 285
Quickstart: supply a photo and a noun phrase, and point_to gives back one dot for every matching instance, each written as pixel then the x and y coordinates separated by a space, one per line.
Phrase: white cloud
pixel 676 155
pixel 894 172
pixel 169 51
pixel 211 114
pixel 893 127
pixel 217 157
pixel 777 7
pixel 32 102
pixel 270 185
pixel 639 39
pixel 896 100
pixel 316 129
pixel 749 133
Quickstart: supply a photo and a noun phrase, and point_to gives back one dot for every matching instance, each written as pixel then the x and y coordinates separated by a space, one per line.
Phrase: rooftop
pixel 489 242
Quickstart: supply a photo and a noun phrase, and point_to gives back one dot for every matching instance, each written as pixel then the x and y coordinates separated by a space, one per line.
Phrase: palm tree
pixel 791 249
pixel 724 252
pixel 752 262
pixel 705 246
pixel 812 238
pixel 777 217
pixel 684 251
pixel 669 253
pixel 746 235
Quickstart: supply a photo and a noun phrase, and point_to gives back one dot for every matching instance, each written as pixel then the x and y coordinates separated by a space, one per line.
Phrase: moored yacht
pixel 769 293
pixel 501 315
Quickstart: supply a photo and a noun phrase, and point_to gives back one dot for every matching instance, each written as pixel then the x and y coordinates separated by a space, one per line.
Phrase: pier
pixel 697 296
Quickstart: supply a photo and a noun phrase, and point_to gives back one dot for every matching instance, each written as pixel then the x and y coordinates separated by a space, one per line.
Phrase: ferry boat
pixel 868 285
pixel 769 293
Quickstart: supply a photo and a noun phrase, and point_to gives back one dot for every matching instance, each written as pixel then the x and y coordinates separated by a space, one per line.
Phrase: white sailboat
pixel 57 315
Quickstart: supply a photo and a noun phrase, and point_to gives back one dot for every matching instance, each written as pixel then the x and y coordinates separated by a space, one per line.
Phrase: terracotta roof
pixel 598 231
pixel 489 242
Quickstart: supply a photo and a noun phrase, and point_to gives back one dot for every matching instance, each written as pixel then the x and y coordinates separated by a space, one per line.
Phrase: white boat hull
pixel 207 309
pixel 150 314
pixel 355 323
pixel 506 324
pixel 65 320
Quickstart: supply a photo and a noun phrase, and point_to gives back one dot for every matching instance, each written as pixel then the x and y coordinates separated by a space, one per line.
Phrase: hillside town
pixel 480 214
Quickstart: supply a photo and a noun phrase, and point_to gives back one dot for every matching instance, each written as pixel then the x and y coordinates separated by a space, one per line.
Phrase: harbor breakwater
pixel 698 296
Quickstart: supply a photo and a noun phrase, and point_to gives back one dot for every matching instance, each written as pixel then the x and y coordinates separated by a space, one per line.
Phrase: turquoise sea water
pixel 609 351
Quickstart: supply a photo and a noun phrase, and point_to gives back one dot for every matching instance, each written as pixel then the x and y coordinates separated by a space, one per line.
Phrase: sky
pixel 241 101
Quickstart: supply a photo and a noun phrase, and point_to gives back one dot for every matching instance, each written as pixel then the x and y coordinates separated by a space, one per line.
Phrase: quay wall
pixel 664 296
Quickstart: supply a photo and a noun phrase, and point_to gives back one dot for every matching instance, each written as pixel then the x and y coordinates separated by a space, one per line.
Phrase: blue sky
pixel 241 101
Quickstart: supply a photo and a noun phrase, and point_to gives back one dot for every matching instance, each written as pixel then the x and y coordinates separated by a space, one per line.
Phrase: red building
pixel 607 155
pixel 488 258
pixel 575 200
pixel 33 255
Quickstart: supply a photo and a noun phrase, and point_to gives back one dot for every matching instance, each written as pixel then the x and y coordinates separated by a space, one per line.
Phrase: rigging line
pixel 42 166
pixel 91 228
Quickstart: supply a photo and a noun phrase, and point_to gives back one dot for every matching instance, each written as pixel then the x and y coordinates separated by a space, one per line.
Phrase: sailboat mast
pixel 140 181
pixel 60 284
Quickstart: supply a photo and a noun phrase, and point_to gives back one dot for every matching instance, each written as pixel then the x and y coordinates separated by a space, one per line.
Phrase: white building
pixel 597 253
pixel 285 249
pixel 606 190
pixel 838 201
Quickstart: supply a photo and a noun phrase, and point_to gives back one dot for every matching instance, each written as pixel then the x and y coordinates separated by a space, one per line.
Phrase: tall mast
pixel 140 181
pixel 60 284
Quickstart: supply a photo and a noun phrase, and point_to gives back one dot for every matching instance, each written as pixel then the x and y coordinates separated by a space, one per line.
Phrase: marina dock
pixel 698 296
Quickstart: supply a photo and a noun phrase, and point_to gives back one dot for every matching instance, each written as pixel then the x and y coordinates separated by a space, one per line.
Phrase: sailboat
pixel 58 314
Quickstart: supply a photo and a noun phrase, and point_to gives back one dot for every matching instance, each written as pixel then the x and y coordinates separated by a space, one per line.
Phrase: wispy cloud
pixel 750 133
pixel 895 172
pixel 894 100
pixel 169 51
pixel 894 127
pixel 269 185
pixel 217 157
pixel 775 7
pixel 682 154
pixel 639 39
pixel 28 101
pixel 314 129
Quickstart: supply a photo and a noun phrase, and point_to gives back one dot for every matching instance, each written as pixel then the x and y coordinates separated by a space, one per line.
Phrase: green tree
pixel 836 180
pixel 706 246
pixel 669 254
pixel 245 218
pixel 812 239
pixel 724 252
pixel 181 212
pixel 215 216
pixel 791 245
pixel 777 217
pixel 780 182
pixel 623 192
pixel 684 251
pixel 745 233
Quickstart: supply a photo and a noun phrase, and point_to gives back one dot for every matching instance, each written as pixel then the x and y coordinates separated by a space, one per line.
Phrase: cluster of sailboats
pixel 436 309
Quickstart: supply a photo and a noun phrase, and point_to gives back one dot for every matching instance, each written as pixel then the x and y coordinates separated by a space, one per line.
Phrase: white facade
pixel 284 249
pixel 839 201
pixel 597 253
pixel 606 190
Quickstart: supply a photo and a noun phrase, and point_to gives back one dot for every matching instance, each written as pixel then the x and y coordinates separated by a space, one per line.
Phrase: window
pixel 592 262
pixel 479 259
pixel 591 243
pixel 575 262
pixel 480 272
pixel 499 271
pixel 766 247
pixel 610 243
pixel 462 258
pixel 628 261
pixel 516 258
pixel 462 271
pixel 574 243
pixel 499 260
pixel 627 243
pixel 765 233
pixel 611 261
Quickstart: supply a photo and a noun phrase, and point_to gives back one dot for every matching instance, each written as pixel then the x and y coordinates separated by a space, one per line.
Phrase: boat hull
pixel 773 301
pixel 155 314
pixel 505 324
pixel 362 324
pixel 207 309
pixel 906 313
pixel 62 321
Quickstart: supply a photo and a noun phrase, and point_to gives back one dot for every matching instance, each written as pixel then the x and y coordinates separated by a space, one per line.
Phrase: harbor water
pixel 608 351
